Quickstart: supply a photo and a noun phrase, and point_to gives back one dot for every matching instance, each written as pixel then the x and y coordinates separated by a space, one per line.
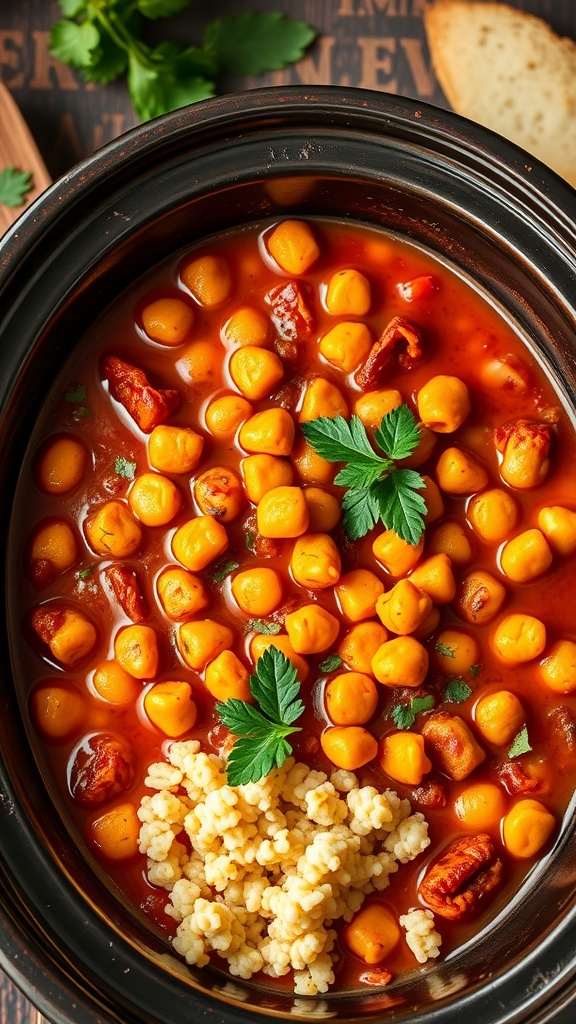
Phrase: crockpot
pixel 68 939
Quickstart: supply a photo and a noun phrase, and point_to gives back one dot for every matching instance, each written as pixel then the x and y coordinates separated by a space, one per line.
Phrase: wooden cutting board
pixel 18 149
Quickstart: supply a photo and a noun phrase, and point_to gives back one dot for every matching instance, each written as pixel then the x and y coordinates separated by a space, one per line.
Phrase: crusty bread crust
pixel 509 71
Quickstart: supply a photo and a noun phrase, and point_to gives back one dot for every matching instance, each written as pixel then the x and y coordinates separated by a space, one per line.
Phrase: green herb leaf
pixel 340 440
pixel 398 433
pixel 404 715
pixel 14 186
pixel 520 743
pixel 261 730
pixel 264 627
pixel 82 412
pixel 445 651
pixel 76 394
pixel 361 511
pixel 220 570
pixel 475 671
pixel 123 467
pixel 457 691
pixel 331 663
pixel 72 8
pixel 74 43
pixel 249 43
pixel 161 8
pixel 84 574
pixel 419 704
pixel 107 60
pixel 402 507
pixel 157 89
pixel 250 540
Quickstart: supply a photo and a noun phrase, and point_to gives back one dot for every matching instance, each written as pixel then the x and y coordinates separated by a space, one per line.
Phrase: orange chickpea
pixel 526 556
pixel 247 326
pixel 53 550
pixel 493 514
pixel 208 278
pixel 282 513
pixel 395 554
pixel 423 450
pixel 518 638
pixel 348 294
pixel 324 511
pixel 480 597
pixel 115 833
pixel 401 755
pixel 114 684
pixel 311 629
pixel 281 641
pixel 198 542
pixel 315 561
pixel 322 398
pixel 499 716
pixel 443 403
pixel 429 624
pixel 351 698
pixel 455 652
pixel 349 746
pixel 170 707
pixel 202 640
pixel 404 608
pixel 481 805
pixel 270 432
pixel 136 650
pixel 226 677
pixel 226 414
pixel 58 710
pixel 527 828
pixel 435 577
pixel 263 473
pixel 255 371
pixel 459 472
pixel 372 933
pixel 346 345
pixel 293 246
pixel 372 406
pixel 69 634
pixel 310 466
pixel 257 591
pixel 113 531
pixel 433 499
pixel 219 493
pixel 168 321
pixel 181 594
pixel 558 524
pixel 200 366
pixel 174 449
pixel 402 661
pixel 525 448
pixel 558 668
pixel 451 539
pixel 357 593
pixel 358 647
pixel 61 464
pixel 154 499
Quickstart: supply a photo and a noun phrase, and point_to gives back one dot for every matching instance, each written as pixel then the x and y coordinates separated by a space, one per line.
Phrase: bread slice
pixel 509 71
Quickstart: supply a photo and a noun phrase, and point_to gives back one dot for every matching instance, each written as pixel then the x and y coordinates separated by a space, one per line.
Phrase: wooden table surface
pixel 373 44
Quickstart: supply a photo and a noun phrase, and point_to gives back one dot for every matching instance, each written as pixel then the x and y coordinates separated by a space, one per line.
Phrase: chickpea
pixel 526 556
pixel 257 591
pixel 200 366
pixel 481 805
pixel 558 525
pixel 310 466
pixel 255 371
pixel 404 608
pixel 423 450
pixel 202 640
pixel 372 406
pixel 61 464
pixel 198 542
pixel 58 710
pixel 136 651
pixel 168 321
pixel 219 493
pixel 281 641
pixel 434 501
pixel 429 624
pixel 170 707
pixel 270 432
pixel 346 345
pixel 315 562
pixel 372 933
pixel 67 632
pixel 226 677
pixel 181 594
pixel 348 293
pixel 452 745
pixel 395 554
pixel 558 668
pixel 451 539
pixel 435 577
pixel 113 531
pixel 351 698
pixel 480 597
pixel 402 661
pixel 282 513
pixel 360 644
pixel 247 326
pixel 293 246
pixel 53 550
pixel 208 278
pixel 262 473
pixel 527 828
pixel 115 833
pixel 322 398
pixel 518 638
pixel 455 652
pixel 174 449
pixel 493 514
pixel 443 403
pixel 349 746
pixel 525 447
pixel 401 755
pixel 357 593
pixel 499 716
pixel 114 684
pixel 505 372
pixel 154 499
pixel 311 629
pixel 324 510
pixel 225 415
pixel 458 472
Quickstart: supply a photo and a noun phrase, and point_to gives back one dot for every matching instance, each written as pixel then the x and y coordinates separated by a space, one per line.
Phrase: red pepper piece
pixel 130 386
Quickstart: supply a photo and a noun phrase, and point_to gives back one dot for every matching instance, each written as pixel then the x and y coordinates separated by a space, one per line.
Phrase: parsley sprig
pixel 378 491
pixel 14 186
pixel 261 729
pixel 104 39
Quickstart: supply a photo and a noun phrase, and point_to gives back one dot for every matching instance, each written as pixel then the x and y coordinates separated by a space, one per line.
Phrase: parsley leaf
pixel 250 43
pixel 161 8
pixel 263 627
pixel 220 570
pixel 404 715
pixel 520 743
pixel 14 186
pixel 123 467
pixel 76 394
pixel 378 491
pixel 74 43
pixel 330 664
pixel 250 540
pixel 84 574
pixel 444 650
pixel 475 671
pixel 457 691
pixel 261 730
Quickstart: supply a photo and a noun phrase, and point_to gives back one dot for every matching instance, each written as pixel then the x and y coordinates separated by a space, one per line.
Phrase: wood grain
pixel 18 149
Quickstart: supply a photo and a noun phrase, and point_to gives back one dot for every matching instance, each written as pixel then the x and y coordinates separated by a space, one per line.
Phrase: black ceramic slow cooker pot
pixel 67 937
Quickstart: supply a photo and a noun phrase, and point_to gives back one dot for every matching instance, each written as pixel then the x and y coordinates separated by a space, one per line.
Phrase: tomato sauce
pixel 463 335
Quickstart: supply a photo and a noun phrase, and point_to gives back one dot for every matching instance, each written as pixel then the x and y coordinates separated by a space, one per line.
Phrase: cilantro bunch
pixel 105 38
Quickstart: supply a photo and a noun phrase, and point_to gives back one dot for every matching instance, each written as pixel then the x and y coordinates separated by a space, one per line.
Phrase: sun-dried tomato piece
pixel 468 870
pixel 564 727
pixel 452 744
pixel 127 591
pixel 43 571
pixel 103 767
pixel 47 620
pixel 291 315
pixel 512 776
pixel 377 976
pixel 418 288
pixel 130 386
pixel 400 339
pixel 429 794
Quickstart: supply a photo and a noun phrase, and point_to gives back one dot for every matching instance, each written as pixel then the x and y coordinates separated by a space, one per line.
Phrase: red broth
pixel 463 336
